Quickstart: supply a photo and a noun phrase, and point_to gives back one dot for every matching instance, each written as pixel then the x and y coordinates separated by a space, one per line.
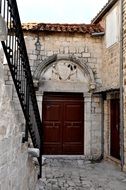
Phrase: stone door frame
pixel 87 119
pixel 86 88
pixel 107 124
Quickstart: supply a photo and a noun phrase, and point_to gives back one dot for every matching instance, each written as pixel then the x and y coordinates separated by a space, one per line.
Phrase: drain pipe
pixel 121 88
pixel 97 34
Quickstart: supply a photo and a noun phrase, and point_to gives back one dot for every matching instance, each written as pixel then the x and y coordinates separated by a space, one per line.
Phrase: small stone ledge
pixel 70 160
pixel 34 152
pixel 66 163
pixel 36 84
pixel 68 157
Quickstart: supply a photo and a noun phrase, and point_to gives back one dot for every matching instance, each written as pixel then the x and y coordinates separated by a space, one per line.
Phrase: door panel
pixel 73 111
pixel 115 129
pixel 54 108
pixel 63 117
pixel 72 132
pixel 73 127
pixel 52 131
pixel 52 122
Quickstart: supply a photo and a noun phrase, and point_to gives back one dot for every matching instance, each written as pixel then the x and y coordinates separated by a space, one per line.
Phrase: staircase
pixel 17 58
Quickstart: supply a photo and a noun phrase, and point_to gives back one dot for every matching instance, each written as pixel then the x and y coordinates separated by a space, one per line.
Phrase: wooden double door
pixel 63 123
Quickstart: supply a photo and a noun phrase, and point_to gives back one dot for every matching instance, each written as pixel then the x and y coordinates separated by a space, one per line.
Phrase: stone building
pixel 123 78
pixel 79 76
pixel 66 63
pixel 109 18
pixel 83 61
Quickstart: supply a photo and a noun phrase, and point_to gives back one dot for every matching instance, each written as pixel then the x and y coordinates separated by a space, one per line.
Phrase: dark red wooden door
pixel 63 116
pixel 115 129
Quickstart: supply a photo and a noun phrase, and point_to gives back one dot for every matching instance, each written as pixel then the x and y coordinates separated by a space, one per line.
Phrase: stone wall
pixel 17 170
pixel 90 51
pixel 84 49
pixel 124 76
pixel 106 128
pixel 103 61
pixel 111 59
pixel 110 66
pixel 110 74
pixel 96 128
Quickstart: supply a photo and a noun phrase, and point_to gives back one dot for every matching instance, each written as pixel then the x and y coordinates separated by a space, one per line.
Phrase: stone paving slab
pixel 92 176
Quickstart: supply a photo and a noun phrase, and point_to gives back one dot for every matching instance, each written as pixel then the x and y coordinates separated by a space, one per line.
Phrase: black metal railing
pixel 17 58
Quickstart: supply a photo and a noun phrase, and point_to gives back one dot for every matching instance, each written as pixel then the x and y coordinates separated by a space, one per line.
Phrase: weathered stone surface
pixel 102 176
pixel 84 56
pixel 17 170
pixel 124 78
pixel 34 152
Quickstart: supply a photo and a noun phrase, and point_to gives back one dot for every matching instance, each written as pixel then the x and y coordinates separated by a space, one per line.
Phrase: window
pixel 112 27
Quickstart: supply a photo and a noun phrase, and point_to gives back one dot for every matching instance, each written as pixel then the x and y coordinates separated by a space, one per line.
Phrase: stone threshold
pixel 113 160
pixel 68 157
pixel 73 157
pixel 64 156
pixel 78 161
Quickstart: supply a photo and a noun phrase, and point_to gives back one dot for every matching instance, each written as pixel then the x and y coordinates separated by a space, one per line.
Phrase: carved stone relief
pixel 64 70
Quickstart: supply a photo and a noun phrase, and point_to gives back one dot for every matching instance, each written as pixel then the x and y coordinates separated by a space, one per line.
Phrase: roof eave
pixel 105 90
pixel 105 9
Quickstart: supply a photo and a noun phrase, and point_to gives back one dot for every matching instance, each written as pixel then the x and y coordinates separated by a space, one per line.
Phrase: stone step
pixel 66 160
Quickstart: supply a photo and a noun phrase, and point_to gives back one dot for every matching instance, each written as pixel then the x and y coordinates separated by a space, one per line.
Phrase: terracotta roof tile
pixel 71 28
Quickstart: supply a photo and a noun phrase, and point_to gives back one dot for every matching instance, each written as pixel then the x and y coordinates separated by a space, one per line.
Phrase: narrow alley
pixel 64 174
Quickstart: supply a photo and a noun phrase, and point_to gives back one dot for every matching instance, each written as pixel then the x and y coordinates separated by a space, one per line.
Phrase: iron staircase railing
pixel 17 58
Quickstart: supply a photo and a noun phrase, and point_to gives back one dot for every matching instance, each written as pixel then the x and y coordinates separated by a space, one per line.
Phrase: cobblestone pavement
pixel 80 175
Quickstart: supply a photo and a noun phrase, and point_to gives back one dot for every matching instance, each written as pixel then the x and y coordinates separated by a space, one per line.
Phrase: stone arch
pixel 47 63
pixel 87 70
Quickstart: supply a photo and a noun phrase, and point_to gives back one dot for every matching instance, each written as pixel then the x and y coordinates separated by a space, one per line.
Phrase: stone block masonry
pixel 17 170
pixel 110 66
pixel 82 47
pixel 87 50
pixel 124 77
pixel 63 174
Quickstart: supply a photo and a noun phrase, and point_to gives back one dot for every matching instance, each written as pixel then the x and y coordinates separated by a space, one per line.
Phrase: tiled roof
pixel 101 90
pixel 103 11
pixel 71 28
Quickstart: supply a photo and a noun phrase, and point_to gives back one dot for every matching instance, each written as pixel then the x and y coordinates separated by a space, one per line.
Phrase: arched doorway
pixel 65 84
